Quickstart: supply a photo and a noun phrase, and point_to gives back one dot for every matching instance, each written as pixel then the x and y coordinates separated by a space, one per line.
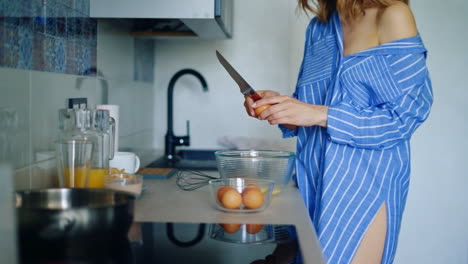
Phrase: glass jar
pixel 93 125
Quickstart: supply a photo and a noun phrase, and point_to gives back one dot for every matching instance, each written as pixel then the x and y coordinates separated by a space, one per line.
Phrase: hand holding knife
pixel 245 88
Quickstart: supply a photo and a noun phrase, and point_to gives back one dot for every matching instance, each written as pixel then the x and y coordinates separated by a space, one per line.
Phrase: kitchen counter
pixel 163 201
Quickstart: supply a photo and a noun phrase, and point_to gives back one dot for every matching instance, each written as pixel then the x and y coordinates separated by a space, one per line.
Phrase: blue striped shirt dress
pixel 361 160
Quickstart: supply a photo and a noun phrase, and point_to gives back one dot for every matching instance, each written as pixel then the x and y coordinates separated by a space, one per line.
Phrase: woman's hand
pixel 286 110
pixel 248 101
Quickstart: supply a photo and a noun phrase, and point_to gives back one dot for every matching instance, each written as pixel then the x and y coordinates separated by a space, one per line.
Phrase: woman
pixel 363 89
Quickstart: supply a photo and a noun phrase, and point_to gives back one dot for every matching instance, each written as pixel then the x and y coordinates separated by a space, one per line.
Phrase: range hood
pixel 203 19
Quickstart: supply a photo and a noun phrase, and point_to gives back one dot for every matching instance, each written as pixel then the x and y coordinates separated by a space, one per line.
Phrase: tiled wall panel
pixel 14 117
pixel 53 36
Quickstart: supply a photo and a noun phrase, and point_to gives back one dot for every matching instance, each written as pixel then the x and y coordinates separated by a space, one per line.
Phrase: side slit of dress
pixel 371 247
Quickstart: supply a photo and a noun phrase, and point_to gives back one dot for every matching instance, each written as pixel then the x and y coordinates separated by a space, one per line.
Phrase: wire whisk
pixel 189 180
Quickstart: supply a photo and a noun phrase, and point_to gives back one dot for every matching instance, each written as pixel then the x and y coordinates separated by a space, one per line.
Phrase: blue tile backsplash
pixel 48 35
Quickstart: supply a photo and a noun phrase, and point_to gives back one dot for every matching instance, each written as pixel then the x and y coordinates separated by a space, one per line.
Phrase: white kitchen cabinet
pixel 204 19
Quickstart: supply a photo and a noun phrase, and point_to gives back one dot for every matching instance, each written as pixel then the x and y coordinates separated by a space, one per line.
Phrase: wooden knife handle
pixel 255 97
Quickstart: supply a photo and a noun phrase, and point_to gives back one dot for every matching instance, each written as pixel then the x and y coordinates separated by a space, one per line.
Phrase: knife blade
pixel 245 88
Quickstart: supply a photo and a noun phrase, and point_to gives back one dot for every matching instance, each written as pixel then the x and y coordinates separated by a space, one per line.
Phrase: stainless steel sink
pixel 192 159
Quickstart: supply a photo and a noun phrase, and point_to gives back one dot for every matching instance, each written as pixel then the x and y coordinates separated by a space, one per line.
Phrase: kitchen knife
pixel 245 88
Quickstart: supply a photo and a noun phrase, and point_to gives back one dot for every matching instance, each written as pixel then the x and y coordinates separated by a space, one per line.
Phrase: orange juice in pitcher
pixel 77 177
pixel 94 126
pixel 96 177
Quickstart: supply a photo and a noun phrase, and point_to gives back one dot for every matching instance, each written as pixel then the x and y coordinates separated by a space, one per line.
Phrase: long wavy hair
pixel 349 9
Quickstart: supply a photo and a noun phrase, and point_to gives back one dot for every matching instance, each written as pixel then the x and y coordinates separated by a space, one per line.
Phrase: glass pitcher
pixel 94 125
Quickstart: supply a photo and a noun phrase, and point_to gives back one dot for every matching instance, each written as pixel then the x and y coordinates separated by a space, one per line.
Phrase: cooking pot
pixel 56 216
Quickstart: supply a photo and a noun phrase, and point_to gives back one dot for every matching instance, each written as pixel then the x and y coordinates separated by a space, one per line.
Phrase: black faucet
pixel 171 140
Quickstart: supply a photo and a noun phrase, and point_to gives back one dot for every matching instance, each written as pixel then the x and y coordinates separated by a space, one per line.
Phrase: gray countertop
pixel 163 201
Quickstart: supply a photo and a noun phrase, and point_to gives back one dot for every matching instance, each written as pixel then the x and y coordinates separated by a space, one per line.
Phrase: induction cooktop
pixel 155 242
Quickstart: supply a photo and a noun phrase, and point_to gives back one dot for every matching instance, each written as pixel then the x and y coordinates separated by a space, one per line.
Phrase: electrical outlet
pixel 77 103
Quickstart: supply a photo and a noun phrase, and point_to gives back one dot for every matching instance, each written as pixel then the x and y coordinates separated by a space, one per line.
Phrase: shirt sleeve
pixel 401 89
pixel 287 133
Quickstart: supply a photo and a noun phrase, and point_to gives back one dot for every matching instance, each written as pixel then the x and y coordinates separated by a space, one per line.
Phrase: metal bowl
pixel 64 215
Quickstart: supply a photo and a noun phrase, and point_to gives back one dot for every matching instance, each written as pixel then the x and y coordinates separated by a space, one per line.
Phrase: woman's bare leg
pixel 371 249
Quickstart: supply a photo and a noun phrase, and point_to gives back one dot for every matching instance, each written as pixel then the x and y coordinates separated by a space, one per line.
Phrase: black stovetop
pixel 150 242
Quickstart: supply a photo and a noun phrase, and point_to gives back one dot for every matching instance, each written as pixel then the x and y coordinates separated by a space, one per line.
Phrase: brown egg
pixel 260 109
pixel 253 228
pixel 221 192
pixel 251 186
pixel 231 199
pixel 230 228
pixel 252 198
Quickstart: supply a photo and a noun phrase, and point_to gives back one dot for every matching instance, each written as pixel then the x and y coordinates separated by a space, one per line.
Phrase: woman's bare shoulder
pixel 396 22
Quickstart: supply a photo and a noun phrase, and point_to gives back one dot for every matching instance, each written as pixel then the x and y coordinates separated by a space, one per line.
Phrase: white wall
pixel 259 50
pixel 434 226
pixel 267 49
